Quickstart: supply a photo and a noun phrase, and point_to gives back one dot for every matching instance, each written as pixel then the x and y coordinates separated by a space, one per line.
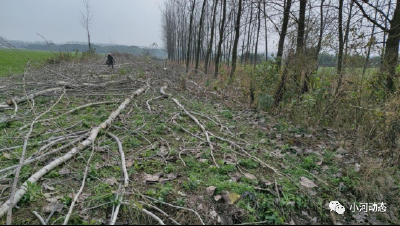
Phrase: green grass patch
pixel 14 61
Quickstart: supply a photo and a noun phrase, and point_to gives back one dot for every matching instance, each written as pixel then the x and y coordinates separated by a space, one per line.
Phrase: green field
pixel 13 61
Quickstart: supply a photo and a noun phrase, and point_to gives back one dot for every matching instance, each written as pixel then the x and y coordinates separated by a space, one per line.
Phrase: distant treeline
pixel 134 50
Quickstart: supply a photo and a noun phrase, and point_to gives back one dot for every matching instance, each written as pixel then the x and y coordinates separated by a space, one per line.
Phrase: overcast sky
pixel 127 22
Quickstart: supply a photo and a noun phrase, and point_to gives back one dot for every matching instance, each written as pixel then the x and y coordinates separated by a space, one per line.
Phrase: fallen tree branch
pixel 148 213
pixel 22 159
pixel 93 134
pixel 36 158
pixel 177 207
pixel 71 111
pixel 121 152
pixel 80 190
pixel 195 120
pixel 39 217
pixel 161 211
pixel 250 156
pixel 148 102
pixel 18 100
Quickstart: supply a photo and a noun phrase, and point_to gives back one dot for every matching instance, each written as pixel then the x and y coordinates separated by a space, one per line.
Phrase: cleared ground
pixel 243 167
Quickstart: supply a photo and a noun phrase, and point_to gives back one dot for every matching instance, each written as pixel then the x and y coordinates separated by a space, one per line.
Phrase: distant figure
pixel 110 60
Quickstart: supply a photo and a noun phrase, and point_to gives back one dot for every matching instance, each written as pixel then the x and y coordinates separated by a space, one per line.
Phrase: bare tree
pixel 221 38
pixel 190 35
pixel 282 35
pixel 86 18
pixel 212 36
pixel 237 34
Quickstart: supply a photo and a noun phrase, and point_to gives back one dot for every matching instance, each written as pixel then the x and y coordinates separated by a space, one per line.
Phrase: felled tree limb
pixel 148 213
pixel 18 100
pixel 71 111
pixel 36 158
pixel 121 152
pixel 80 190
pixel 177 207
pixel 93 134
pixel 39 217
pixel 162 91
pixel 22 159
pixel 161 211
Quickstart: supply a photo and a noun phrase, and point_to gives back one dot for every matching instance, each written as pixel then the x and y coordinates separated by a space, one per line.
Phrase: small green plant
pixel 249 163
pixel 151 192
pixel 227 114
pixel 192 183
pixel 33 192
pixel 180 202
pixel 164 190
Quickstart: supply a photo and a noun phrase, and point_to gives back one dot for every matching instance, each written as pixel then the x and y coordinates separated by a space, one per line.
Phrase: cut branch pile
pixel 81 146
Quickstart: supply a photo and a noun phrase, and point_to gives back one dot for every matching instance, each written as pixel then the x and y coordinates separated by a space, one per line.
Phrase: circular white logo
pixel 337 207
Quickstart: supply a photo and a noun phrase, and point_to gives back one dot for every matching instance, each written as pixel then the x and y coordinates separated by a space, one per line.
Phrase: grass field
pixel 14 61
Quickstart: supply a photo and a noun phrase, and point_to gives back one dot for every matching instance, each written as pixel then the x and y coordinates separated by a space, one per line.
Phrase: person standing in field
pixel 110 60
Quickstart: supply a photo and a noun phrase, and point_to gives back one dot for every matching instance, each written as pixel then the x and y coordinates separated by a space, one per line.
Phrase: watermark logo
pixel 368 207
pixel 337 207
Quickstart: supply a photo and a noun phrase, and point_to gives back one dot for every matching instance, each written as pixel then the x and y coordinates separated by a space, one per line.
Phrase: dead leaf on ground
pixel 106 157
pixel 277 154
pixel 357 168
pixel 64 171
pixel 211 190
pixel 267 182
pixel 48 195
pixel 57 207
pixel 229 160
pixel 235 176
pixel 230 198
pixel 83 197
pixel 129 163
pixel 297 149
pixel 111 181
pixel 7 156
pixel 250 176
pixel 341 151
pixel 172 176
pixel 54 199
pixel 307 183
pixel 47 187
pixel 163 151
pixel 150 179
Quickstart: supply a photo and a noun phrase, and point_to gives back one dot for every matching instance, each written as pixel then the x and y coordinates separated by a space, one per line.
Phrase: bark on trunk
pixel 235 45
pixel 221 39
pixel 282 35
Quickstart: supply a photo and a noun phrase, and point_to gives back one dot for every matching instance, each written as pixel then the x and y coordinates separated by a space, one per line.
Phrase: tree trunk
pixel 301 27
pixel 391 50
pixel 199 38
pixel 341 46
pixel 371 42
pixel 321 32
pixel 303 76
pixel 258 33
pixel 212 36
pixel 221 39
pixel 346 36
pixel 190 36
pixel 266 33
pixel 282 35
pixel 249 36
pixel 235 45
